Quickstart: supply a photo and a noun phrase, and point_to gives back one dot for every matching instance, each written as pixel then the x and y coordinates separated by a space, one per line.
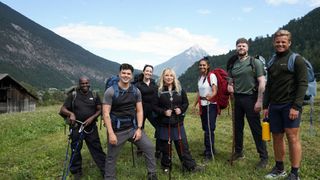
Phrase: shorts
pixel 279 118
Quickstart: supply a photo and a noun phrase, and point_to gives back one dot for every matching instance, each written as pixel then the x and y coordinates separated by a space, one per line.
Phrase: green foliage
pixel 305 40
pixel 33 146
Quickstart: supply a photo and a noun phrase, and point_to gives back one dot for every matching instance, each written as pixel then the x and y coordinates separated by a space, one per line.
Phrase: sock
pixel 279 165
pixel 294 171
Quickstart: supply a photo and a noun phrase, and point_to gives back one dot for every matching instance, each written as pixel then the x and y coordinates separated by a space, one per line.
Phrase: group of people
pixel 279 95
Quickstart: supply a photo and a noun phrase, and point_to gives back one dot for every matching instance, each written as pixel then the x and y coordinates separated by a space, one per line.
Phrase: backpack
pixel 113 82
pixel 234 58
pixel 222 96
pixel 312 84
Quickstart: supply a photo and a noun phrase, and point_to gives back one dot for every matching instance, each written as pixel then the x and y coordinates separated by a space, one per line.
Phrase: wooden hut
pixel 14 97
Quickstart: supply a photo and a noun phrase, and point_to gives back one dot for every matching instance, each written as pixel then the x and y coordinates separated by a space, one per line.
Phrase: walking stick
pixel 233 128
pixel 67 153
pixel 132 153
pixel 169 136
pixel 209 128
pixel 311 130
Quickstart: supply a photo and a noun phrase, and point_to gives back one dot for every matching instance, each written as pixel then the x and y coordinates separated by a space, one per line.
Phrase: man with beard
pixel 247 83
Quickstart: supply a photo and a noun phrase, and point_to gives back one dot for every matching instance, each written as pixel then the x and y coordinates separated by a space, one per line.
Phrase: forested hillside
pixel 305 40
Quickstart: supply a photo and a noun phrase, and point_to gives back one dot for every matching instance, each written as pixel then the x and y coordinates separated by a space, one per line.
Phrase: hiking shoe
pixel 292 176
pixel 275 173
pixel 194 169
pixel 237 156
pixel 208 159
pixel 152 176
pixel 262 164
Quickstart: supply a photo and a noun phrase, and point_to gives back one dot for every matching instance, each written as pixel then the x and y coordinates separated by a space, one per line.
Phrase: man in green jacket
pixel 282 103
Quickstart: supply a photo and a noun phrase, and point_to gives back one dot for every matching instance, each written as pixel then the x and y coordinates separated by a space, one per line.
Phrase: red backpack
pixel 222 96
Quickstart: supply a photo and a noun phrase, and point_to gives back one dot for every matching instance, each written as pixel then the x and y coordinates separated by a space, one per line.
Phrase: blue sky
pixel 152 31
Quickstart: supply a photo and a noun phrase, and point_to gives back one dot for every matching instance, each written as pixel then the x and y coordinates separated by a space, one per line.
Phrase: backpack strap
pixel 271 61
pixel 291 61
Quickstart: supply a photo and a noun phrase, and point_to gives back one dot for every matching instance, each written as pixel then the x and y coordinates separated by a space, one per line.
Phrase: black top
pixel 147 93
pixel 162 103
pixel 82 105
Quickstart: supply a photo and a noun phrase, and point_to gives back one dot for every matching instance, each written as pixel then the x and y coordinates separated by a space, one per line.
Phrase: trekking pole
pixel 311 130
pixel 169 136
pixel 81 130
pixel 209 128
pixel 67 153
pixel 233 128
pixel 133 161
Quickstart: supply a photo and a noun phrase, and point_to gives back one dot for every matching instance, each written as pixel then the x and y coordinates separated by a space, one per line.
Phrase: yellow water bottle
pixel 266 135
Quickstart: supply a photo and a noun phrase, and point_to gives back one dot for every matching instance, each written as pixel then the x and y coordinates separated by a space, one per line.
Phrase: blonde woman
pixel 170 105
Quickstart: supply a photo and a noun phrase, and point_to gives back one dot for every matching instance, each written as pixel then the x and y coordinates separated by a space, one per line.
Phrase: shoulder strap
pixel 291 61
pixel 271 61
pixel 253 64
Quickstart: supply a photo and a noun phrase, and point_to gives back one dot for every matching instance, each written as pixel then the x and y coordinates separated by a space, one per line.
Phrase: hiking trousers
pixel 93 143
pixel 244 106
pixel 113 151
pixel 208 126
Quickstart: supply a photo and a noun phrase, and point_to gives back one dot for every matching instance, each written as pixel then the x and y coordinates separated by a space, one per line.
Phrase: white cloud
pixel 164 42
pixel 204 11
pixel 279 2
pixel 314 3
pixel 247 9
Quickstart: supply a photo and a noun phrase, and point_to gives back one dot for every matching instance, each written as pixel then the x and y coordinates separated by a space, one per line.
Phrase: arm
pixel 69 114
pixel 139 109
pixel 107 121
pixel 261 88
pixel 94 116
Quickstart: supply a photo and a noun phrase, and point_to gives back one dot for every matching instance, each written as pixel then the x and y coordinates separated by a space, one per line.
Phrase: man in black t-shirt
pixel 83 106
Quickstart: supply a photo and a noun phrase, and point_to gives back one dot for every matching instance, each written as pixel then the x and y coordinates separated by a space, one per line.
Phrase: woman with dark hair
pixel 208 109
pixel 148 89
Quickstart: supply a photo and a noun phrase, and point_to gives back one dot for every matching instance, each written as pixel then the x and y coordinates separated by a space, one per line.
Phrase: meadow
pixel 33 146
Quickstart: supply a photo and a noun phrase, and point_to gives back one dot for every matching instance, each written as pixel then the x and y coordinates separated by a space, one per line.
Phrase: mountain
pixel 305 40
pixel 35 55
pixel 181 62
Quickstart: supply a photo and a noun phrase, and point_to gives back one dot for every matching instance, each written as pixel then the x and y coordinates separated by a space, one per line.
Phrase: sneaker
pixel 262 164
pixel 292 176
pixel 237 156
pixel 152 176
pixel 275 173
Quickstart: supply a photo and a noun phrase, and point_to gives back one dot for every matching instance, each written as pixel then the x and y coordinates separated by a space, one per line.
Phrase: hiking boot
pixel 196 169
pixel 237 156
pixel 262 164
pixel 292 176
pixel 152 176
pixel 208 159
pixel 275 173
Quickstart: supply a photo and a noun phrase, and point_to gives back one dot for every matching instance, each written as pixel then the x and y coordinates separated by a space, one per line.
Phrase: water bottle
pixel 266 135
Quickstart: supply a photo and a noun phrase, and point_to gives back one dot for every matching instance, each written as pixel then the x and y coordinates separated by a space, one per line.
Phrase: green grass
pixel 33 146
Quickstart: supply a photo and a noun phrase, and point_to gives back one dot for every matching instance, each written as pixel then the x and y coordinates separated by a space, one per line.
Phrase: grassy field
pixel 33 146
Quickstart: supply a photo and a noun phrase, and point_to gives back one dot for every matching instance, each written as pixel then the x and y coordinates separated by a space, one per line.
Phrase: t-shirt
pixel 205 89
pixel 244 77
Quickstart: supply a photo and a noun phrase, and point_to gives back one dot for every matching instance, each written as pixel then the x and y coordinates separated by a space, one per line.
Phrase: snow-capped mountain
pixel 181 62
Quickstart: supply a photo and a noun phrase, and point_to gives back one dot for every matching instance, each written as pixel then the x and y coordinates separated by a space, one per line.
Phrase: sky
pixel 143 32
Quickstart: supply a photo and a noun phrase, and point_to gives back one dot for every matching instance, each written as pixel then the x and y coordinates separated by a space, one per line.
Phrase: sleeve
pixel 98 99
pixel 213 79
pixel 139 96
pixel 259 68
pixel 301 82
pixel 156 106
pixel 68 102
pixel 185 101
pixel 107 98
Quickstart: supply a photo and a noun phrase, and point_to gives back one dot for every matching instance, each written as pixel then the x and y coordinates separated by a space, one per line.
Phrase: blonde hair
pixel 176 83
pixel 282 32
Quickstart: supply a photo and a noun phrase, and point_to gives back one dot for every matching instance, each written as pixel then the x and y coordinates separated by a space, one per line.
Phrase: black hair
pixel 147 65
pixel 126 66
